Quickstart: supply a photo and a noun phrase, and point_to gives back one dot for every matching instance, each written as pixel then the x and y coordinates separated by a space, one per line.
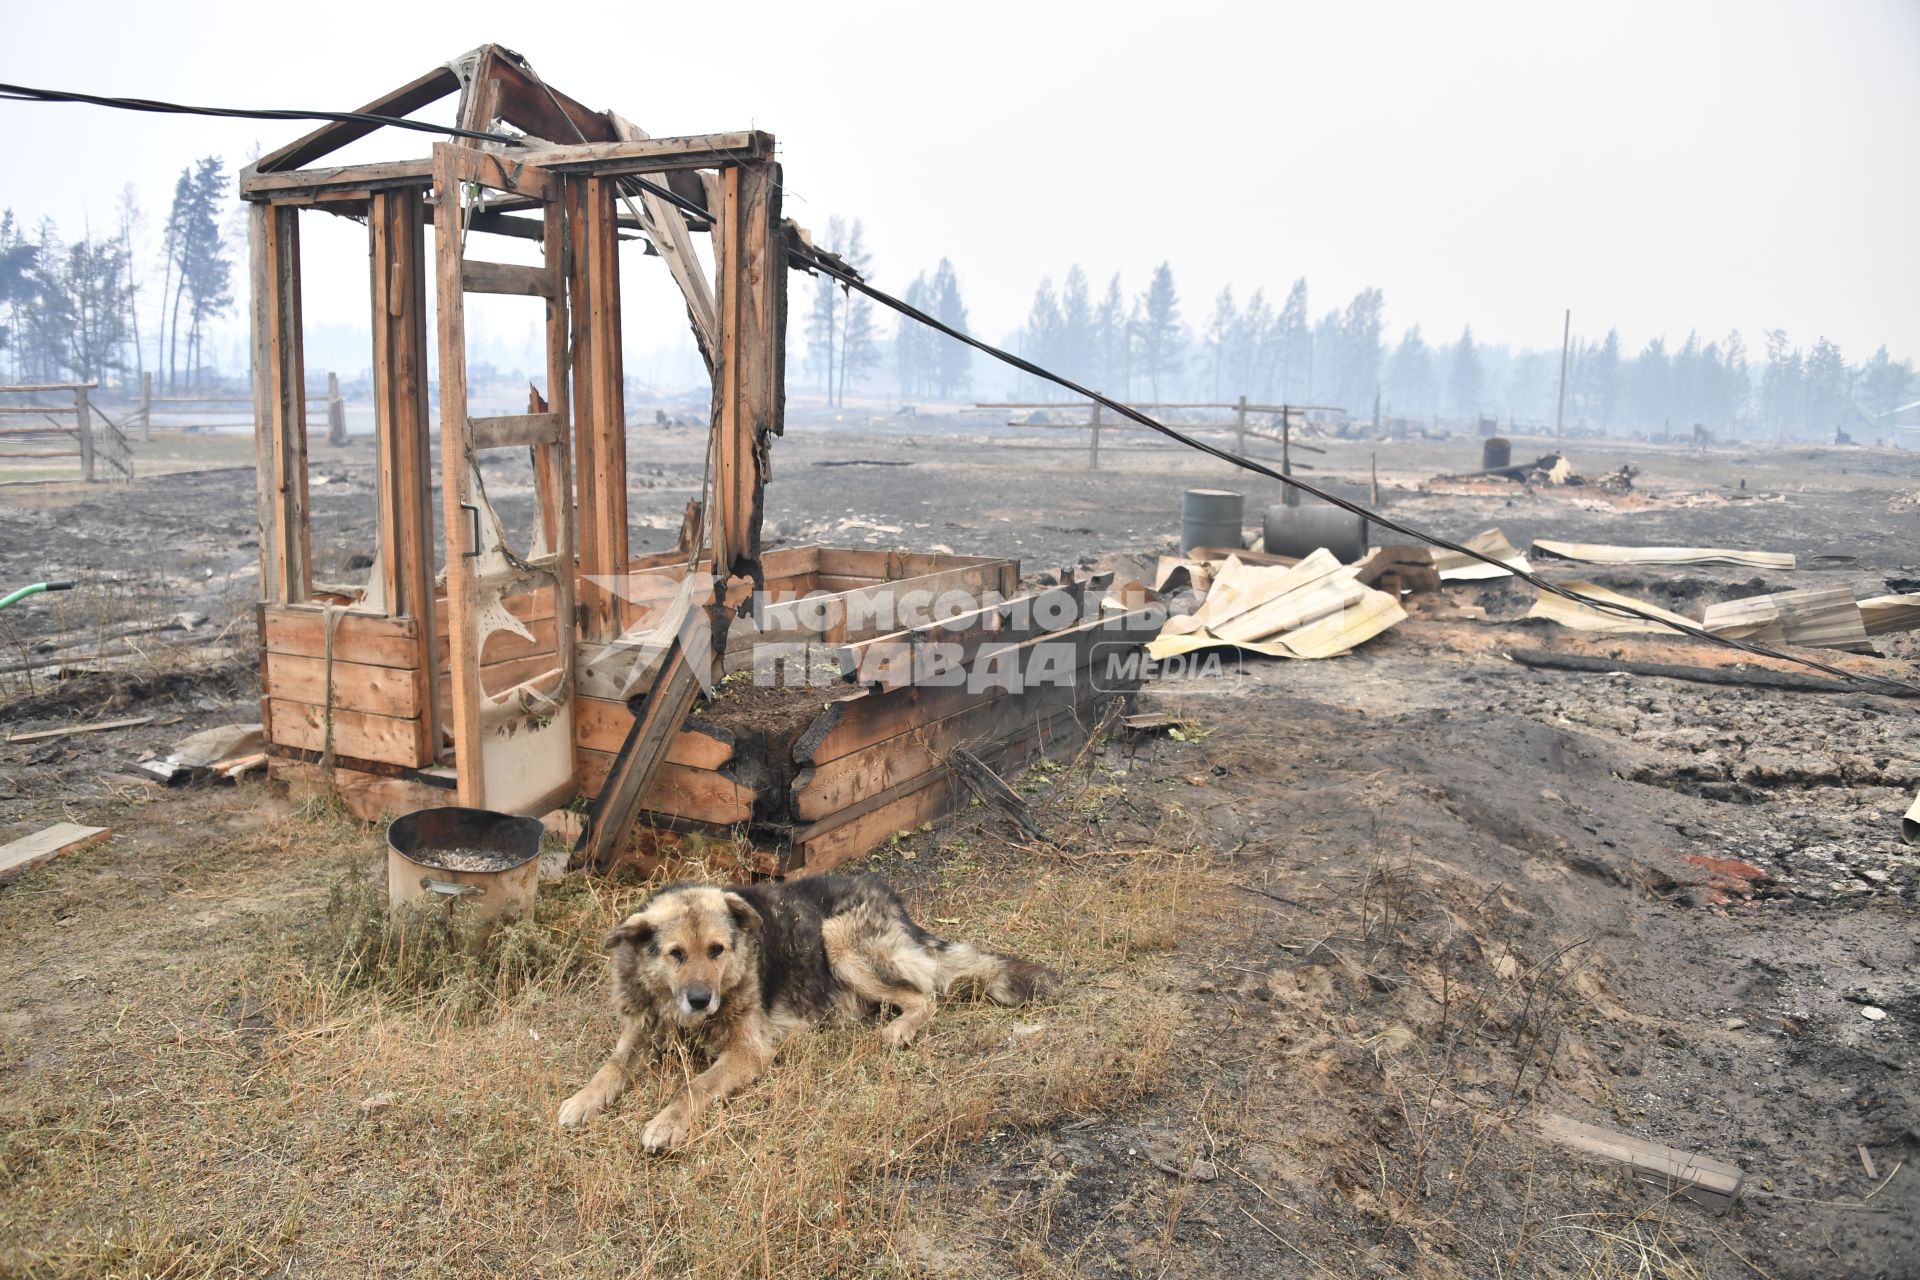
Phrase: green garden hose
pixel 33 590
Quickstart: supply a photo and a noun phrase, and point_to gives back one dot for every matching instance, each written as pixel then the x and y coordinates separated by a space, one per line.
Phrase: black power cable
pixel 23 93
pixel 851 279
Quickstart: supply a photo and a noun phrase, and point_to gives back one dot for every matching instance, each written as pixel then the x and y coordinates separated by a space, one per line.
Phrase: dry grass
pixel 336 1096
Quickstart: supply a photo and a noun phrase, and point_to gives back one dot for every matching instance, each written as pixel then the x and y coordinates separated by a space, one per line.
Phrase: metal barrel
pixel 1211 518
pixel 1300 531
pixel 1495 451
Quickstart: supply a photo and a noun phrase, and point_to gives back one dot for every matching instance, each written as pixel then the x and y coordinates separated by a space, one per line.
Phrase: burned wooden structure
pixel 516 674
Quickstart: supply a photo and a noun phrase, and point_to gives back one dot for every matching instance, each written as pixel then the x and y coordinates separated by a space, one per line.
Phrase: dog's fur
pixel 733 971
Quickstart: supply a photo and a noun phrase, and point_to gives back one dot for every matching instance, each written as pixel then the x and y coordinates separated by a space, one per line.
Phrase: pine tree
pixel 823 318
pixel 1780 384
pixel 1218 338
pixel 1161 337
pixel 1828 387
pixel 1040 339
pixel 858 350
pixel 1076 326
pixel 1295 342
pixel 952 362
pixel 1884 383
pixel 1251 374
pixel 1410 385
pixel 1360 350
pixel 1325 358
pixel 1110 339
pixel 913 343
pixel 1464 377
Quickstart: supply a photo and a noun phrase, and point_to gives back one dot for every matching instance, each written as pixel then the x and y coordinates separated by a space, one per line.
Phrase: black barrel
pixel 1495 451
pixel 1211 518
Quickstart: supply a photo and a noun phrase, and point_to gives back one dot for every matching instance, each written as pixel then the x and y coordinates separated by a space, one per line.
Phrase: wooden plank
pixel 890 566
pixel 819 791
pixel 513 173
pixel 28 852
pixel 848 834
pixel 680 790
pixel 1712 1182
pixel 358 637
pixel 602 724
pixel 919 654
pixel 513 430
pixel 364 735
pixel 529 606
pixel 287 189
pixel 641 755
pixel 456 481
pixel 667 227
pixel 396 228
pixel 656 155
pixel 98 726
pixel 280 409
pixel 388 691
pixel 526 102
pixel 846 616
pixel 328 138
pixel 600 407
pixel 861 719
pixel 507 278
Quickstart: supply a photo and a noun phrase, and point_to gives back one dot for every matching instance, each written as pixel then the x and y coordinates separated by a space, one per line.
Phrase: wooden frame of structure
pixel 521 675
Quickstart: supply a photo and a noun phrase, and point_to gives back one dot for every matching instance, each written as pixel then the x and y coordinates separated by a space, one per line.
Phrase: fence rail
pixel 1096 425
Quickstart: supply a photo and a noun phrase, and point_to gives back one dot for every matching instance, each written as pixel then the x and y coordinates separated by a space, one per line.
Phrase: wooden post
pixel 1093 457
pixel 1289 496
pixel 83 423
pixel 402 431
pixel 1373 465
pixel 280 407
pixel 1240 428
pixel 1560 407
pixel 146 407
pixel 336 412
pixel 599 406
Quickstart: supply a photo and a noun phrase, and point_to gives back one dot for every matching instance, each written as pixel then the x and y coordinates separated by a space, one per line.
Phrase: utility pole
pixel 1560 409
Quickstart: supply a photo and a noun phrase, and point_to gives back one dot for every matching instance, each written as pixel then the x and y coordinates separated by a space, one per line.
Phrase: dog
pixel 734 970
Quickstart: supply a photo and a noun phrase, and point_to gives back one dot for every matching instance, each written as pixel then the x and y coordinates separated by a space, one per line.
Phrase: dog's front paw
pixel 665 1131
pixel 581 1108
pixel 897 1034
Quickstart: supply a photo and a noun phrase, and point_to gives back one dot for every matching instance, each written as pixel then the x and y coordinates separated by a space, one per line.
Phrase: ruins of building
pixel 521 674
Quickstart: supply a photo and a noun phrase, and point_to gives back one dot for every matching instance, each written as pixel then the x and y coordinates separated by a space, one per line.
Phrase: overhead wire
pixel 813 260
pixel 26 93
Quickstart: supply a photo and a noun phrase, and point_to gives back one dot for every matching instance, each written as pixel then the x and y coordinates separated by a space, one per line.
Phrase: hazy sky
pixel 1652 165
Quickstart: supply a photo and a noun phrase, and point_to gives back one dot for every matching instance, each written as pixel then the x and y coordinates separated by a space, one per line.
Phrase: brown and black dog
pixel 733 971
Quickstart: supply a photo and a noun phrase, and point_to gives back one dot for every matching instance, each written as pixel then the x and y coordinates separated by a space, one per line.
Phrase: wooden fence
pixel 1278 427
pixel 101 446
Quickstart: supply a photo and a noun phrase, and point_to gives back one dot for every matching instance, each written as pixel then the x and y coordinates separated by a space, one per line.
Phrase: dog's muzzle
pixel 699 1002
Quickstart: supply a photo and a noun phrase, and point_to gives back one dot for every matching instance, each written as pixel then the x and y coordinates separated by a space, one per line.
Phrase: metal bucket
pixel 481 867
pixel 1495 451
pixel 1211 518
pixel 1300 531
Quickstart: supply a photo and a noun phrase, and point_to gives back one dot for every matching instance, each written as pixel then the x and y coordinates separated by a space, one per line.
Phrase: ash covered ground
pixel 1433 894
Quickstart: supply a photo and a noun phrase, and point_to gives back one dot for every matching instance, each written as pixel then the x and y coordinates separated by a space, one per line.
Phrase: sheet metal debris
pixel 1816 617
pixel 1315 609
pixel 1454 567
pixel 1884 614
pixel 1580 617
pixel 1598 553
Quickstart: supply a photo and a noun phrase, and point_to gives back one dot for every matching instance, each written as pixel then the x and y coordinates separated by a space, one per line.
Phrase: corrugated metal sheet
pixel 1884 614
pixel 1454 567
pixel 1580 617
pixel 1815 617
pixel 1597 553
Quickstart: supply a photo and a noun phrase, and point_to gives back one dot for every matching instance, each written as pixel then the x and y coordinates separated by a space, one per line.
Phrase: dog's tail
pixel 1005 979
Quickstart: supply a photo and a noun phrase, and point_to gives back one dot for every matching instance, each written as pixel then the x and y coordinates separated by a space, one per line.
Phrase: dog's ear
pixel 742 912
pixel 634 929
